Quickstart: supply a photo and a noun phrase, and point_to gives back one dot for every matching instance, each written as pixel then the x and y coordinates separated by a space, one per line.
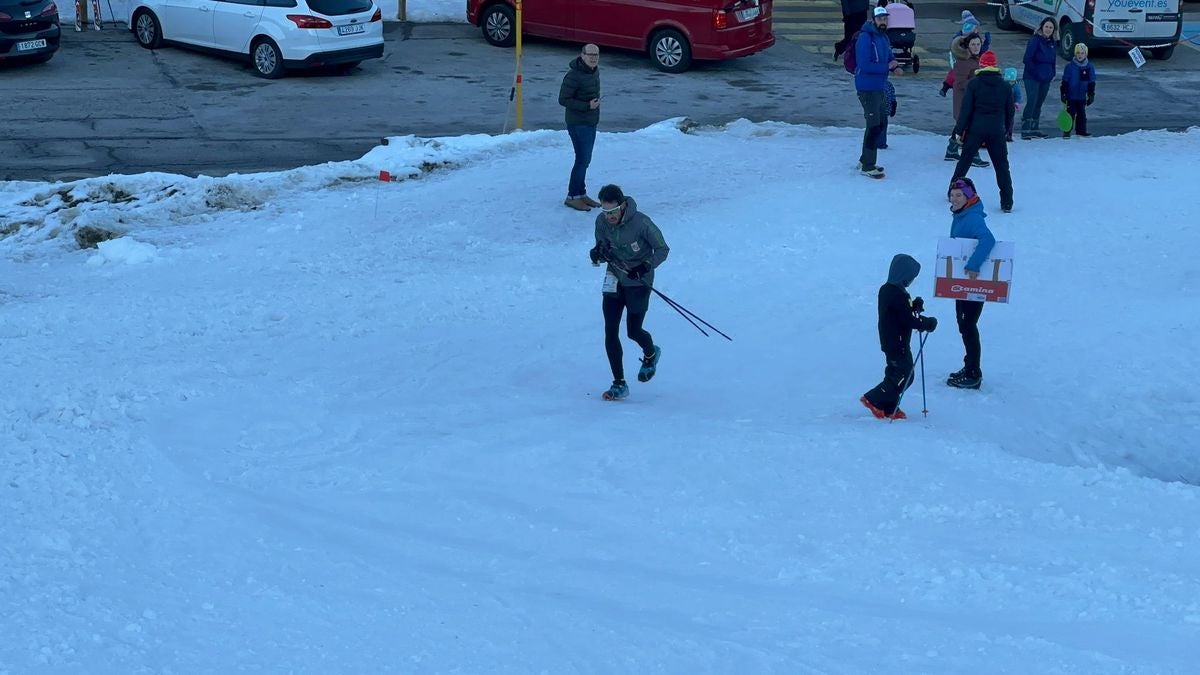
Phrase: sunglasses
pixel 613 211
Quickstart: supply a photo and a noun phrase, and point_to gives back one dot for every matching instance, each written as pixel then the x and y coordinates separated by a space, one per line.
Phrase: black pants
pixel 897 378
pixel 967 312
pixel 997 149
pixel 637 300
pixel 1078 110
pixel 850 23
pixel 875 112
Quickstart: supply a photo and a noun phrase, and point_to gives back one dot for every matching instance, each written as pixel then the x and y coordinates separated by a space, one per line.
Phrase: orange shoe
pixel 898 415
pixel 879 414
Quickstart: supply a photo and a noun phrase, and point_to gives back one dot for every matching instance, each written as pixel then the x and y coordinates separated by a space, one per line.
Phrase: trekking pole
pixel 683 311
pixel 920 357
pixel 921 351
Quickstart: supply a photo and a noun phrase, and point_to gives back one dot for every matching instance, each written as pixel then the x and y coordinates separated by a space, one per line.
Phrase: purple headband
pixel 963 185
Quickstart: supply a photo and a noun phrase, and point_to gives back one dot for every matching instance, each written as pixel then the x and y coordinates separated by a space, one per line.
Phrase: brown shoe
pixel 577 203
pixel 590 202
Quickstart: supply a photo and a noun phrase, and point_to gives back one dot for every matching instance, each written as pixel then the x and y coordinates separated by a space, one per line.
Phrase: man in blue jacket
pixel 874 62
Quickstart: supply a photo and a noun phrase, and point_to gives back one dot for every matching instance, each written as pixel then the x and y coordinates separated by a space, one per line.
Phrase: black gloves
pixel 640 271
pixel 596 255
pixel 892 109
pixel 918 305
pixel 927 324
pixel 1091 97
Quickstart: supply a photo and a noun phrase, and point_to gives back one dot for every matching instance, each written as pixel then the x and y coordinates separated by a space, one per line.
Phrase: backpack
pixel 849 58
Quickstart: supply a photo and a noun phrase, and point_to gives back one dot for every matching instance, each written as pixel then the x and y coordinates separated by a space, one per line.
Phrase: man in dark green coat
pixel 633 246
pixel 580 95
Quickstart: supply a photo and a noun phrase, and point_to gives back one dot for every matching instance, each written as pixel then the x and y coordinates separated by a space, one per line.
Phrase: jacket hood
pixel 903 271
pixel 578 64
pixel 958 46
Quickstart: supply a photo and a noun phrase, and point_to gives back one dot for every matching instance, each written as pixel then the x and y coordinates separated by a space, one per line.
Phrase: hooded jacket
pixel 580 85
pixel 971 223
pixel 634 240
pixel 896 318
pixel 988 106
pixel 872 54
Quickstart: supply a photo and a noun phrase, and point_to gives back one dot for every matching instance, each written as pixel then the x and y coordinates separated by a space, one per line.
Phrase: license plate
pixel 30 44
pixel 351 29
pixel 1118 28
pixel 747 14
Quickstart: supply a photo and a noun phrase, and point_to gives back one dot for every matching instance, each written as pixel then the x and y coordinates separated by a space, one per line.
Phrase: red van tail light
pixel 307 21
pixel 377 16
pixel 720 19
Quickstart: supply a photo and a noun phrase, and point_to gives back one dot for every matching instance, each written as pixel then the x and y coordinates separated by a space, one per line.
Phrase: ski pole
pixel 924 404
pixel 920 357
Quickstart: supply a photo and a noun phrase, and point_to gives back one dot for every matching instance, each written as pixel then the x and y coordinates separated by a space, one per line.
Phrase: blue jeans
pixel 583 137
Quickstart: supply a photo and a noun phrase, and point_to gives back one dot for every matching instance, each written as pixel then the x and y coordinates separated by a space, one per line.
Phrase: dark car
pixel 28 30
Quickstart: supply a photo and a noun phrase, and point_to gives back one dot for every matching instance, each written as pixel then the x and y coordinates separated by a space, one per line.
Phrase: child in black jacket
pixel 898 318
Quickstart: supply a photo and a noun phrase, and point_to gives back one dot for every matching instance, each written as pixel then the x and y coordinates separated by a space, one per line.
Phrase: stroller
pixel 902 32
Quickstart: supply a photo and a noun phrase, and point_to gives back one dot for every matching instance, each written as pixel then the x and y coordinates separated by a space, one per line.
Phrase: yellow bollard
pixel 403 16
pixel 519 84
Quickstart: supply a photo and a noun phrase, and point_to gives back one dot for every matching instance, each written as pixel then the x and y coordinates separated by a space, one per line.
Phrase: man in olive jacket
pixel 580 95
pixel 987 113
pixel 633 246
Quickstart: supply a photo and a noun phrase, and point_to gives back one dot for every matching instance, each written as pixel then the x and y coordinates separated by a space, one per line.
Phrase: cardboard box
pixel 994 283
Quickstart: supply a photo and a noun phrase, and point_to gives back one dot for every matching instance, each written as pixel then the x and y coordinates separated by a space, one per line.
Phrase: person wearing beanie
pixel 969 221
pixel 1041 62
pixel 987 113
pixel 1010 77
pixel 1078 89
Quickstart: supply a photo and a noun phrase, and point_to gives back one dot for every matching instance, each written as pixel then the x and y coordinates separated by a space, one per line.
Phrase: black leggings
pixel 967 312
pixel 614 304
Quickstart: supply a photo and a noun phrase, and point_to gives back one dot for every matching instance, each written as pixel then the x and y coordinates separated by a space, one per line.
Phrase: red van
pixel 672 32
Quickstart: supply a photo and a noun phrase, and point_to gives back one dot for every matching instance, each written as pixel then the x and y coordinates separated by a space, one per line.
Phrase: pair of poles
pixel 683 311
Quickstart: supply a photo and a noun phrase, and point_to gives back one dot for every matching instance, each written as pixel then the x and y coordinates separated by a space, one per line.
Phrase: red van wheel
pixel 499 25
pixel 670 51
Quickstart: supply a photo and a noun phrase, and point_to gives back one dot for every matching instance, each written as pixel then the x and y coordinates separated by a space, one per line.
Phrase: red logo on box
pixel 971 289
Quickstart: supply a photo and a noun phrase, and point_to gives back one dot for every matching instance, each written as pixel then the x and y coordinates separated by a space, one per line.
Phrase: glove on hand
pixel 1091 98
pixel 918 305
pixel 892 110
pixel 1064 98
pixel 927 324
pixel 596 255
pixel 640 271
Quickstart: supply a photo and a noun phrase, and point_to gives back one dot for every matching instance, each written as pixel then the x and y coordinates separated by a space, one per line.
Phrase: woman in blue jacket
pixel 1040 68
pixel 970 222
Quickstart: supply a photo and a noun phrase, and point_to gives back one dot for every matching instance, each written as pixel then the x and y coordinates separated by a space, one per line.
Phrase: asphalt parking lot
pixel 104 105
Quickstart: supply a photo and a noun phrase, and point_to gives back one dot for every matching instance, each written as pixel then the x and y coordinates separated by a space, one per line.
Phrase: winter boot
pixel 952 149
pixel 590 202
pixel 1037 130
pixel 617 391
pixel 649 365
pixel 971 379
pixel 577 203
pixel 879 414
pixel 898 415
pixel 979 162
pixel 961 372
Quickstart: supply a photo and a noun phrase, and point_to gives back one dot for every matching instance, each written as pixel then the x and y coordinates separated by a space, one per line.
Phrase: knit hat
pixel 967 16
pixel 965 184
pixel 1080 49
pixel 1010 74
pixel 988 59
pixel 969 27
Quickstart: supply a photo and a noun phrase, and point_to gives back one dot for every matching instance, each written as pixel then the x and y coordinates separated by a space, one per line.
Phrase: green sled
pixel 1065 122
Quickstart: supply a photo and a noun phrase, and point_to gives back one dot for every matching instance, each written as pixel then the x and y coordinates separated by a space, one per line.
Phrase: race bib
pixel 610 283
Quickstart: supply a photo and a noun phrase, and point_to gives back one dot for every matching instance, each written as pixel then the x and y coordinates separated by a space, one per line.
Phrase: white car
pixel 273 35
